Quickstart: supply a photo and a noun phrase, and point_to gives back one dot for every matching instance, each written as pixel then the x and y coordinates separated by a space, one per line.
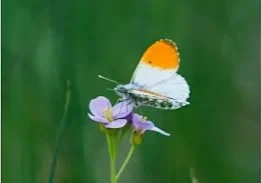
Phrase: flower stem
pixel 61 128
pixel 126 161
pixel 192 176
pixel 112 146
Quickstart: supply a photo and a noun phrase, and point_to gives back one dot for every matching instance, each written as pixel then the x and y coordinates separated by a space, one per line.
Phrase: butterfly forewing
pixel 159 62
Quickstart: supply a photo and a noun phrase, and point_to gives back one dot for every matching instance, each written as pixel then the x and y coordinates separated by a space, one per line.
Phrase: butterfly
pixel 155 81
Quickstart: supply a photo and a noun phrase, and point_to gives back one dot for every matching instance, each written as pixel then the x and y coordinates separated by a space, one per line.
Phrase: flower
pixel 140 125
pixel 111 117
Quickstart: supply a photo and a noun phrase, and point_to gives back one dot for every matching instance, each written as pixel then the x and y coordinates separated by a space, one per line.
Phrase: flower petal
pixel 129 118
pixel 138 124
pixel 98 105
pixel 117 123
pixel 135 120
pixel 121 110
pixel 156 129
pixel 98 119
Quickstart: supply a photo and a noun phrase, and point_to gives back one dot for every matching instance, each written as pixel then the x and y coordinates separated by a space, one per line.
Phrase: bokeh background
pixel 46 43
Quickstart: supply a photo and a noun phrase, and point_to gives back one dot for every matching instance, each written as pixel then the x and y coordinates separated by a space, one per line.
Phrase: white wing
pixel 174 87
pixel 147 75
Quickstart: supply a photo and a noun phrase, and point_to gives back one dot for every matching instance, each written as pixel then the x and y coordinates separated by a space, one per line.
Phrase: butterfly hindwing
pixel 147 98
pixel 174 87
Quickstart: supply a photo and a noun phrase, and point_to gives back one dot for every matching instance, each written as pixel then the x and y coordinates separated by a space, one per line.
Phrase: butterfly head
pixel 121 90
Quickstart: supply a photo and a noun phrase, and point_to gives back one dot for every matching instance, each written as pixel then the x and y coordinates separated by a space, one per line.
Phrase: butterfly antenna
pixel 102 77
pixel 110 89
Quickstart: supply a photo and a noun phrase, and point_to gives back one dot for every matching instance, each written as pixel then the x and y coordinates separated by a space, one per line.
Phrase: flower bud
pixel 136 138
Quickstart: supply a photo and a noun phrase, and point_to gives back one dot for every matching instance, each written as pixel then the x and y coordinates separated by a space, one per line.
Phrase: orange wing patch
pixel 163 54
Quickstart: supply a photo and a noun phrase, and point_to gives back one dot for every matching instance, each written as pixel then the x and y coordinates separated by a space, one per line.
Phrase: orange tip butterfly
pixel 155 81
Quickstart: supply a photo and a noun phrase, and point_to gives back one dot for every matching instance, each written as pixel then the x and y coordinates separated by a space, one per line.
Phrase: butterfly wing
pixel 159 62
pixel 156 78
pixel 147 98
pixel 171 93
pixel 175 87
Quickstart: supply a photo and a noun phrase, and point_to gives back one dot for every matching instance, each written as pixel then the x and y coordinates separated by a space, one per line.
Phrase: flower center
pixel 107 114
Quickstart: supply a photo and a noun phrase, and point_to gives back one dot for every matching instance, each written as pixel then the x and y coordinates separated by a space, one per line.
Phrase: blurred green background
pixel 46 43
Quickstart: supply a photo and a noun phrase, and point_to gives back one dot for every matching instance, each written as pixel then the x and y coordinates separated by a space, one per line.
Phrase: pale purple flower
pixel 140 125
pixel 111 117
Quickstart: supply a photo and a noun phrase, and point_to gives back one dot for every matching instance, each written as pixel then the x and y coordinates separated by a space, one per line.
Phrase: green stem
pixel 59 136
pixel 112 146
pixel 192 176
pixel 126 161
